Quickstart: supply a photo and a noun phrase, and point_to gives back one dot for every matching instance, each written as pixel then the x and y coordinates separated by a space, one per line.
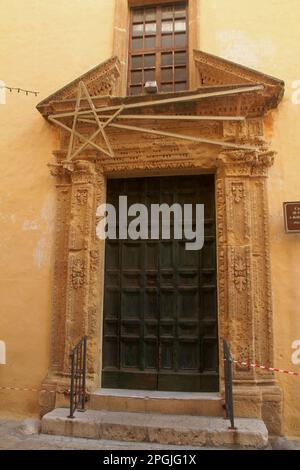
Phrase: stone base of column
pixel 260 401
pixel 55 392
pixel 47 397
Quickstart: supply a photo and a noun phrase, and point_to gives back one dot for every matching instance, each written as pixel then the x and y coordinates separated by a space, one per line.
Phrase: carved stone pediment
pixel 100 81
pixel 216 71
pixel 214 74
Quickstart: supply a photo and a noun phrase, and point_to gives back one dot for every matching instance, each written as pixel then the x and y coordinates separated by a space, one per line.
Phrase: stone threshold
pixel 149 401
pixel 157 428
pixel 117 392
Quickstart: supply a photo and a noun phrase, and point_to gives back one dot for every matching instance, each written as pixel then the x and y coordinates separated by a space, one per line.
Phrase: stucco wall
pixel 263 35
pixel 44 45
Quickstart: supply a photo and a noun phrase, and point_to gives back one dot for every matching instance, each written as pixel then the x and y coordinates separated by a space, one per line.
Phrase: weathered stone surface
pixel 11 439
pixel 282 443
pixel 30 426
pixel 195 404
pixel 157 428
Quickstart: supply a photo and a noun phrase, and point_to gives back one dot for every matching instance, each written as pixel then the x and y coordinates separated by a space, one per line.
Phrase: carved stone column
pixel 47 397
pixel 78 273
pixel 245 307
pixel 83 259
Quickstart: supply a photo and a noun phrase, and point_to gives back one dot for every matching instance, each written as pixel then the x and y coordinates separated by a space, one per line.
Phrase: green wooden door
pixel 160 309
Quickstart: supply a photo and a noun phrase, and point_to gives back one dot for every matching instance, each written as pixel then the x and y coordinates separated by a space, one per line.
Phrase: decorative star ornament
pixel 96 117
pixel 72 153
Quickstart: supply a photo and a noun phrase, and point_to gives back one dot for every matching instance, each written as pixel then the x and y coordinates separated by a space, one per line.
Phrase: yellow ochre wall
pixel 44 44
pixel 264 34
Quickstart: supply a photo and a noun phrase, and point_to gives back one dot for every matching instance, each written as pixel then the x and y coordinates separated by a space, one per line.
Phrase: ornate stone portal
pixel 244 287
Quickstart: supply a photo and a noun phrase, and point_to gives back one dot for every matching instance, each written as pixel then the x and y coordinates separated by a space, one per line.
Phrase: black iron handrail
pixel 78 377
pixel 228 384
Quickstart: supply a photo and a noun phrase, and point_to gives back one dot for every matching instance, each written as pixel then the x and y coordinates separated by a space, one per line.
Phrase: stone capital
pixel 57 170
pixel 245 162
pixel 84 172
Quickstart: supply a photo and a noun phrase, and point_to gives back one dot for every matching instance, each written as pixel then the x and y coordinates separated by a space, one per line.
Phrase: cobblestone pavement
pixel 14 435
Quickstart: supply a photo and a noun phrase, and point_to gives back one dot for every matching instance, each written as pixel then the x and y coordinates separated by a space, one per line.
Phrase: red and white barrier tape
pixel 24 389
pixel 271 369
pixel 235 361
pixel 20 389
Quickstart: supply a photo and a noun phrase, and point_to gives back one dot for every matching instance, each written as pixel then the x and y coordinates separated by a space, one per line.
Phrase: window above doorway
pixel 158 47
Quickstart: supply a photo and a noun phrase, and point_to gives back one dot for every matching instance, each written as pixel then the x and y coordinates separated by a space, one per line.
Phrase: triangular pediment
pixel 100 81
pixel 212 72
pixel 216 71
pixel 222 92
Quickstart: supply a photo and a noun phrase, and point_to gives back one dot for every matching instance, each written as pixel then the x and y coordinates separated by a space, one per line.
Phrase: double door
pixel 160 309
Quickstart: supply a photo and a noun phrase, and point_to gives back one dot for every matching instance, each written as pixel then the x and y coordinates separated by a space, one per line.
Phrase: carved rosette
pixel 82 196
pixel 240 273
pixel 238 191
pixel 77 273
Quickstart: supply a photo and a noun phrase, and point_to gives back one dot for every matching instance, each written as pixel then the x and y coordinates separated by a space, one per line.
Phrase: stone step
pixel 195 404
pixel 157 428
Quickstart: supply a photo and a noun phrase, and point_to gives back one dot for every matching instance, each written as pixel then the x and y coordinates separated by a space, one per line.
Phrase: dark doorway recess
pixel 160 307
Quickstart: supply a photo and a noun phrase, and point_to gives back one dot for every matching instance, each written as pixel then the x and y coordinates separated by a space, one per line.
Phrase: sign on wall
pixel 291 217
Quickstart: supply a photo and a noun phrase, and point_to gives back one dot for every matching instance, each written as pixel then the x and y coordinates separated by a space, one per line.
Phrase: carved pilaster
pixel 96 282
pixel 261 276
pixel 244 278
pixel 78 269
pixel 82 222
pixel 233 177
pixel 59 293
pixel 242 209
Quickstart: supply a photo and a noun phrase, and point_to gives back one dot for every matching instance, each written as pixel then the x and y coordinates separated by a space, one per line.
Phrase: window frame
pixel 158 50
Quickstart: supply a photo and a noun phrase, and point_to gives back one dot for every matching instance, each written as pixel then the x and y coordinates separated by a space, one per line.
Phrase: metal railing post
pixel 78 377
pixel 83 391
pixel 72 385
pixel 228 385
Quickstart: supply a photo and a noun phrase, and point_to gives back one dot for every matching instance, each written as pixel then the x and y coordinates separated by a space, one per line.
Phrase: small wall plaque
pixel 292 217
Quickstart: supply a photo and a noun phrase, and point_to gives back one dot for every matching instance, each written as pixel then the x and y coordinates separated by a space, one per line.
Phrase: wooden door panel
pixel 160 309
